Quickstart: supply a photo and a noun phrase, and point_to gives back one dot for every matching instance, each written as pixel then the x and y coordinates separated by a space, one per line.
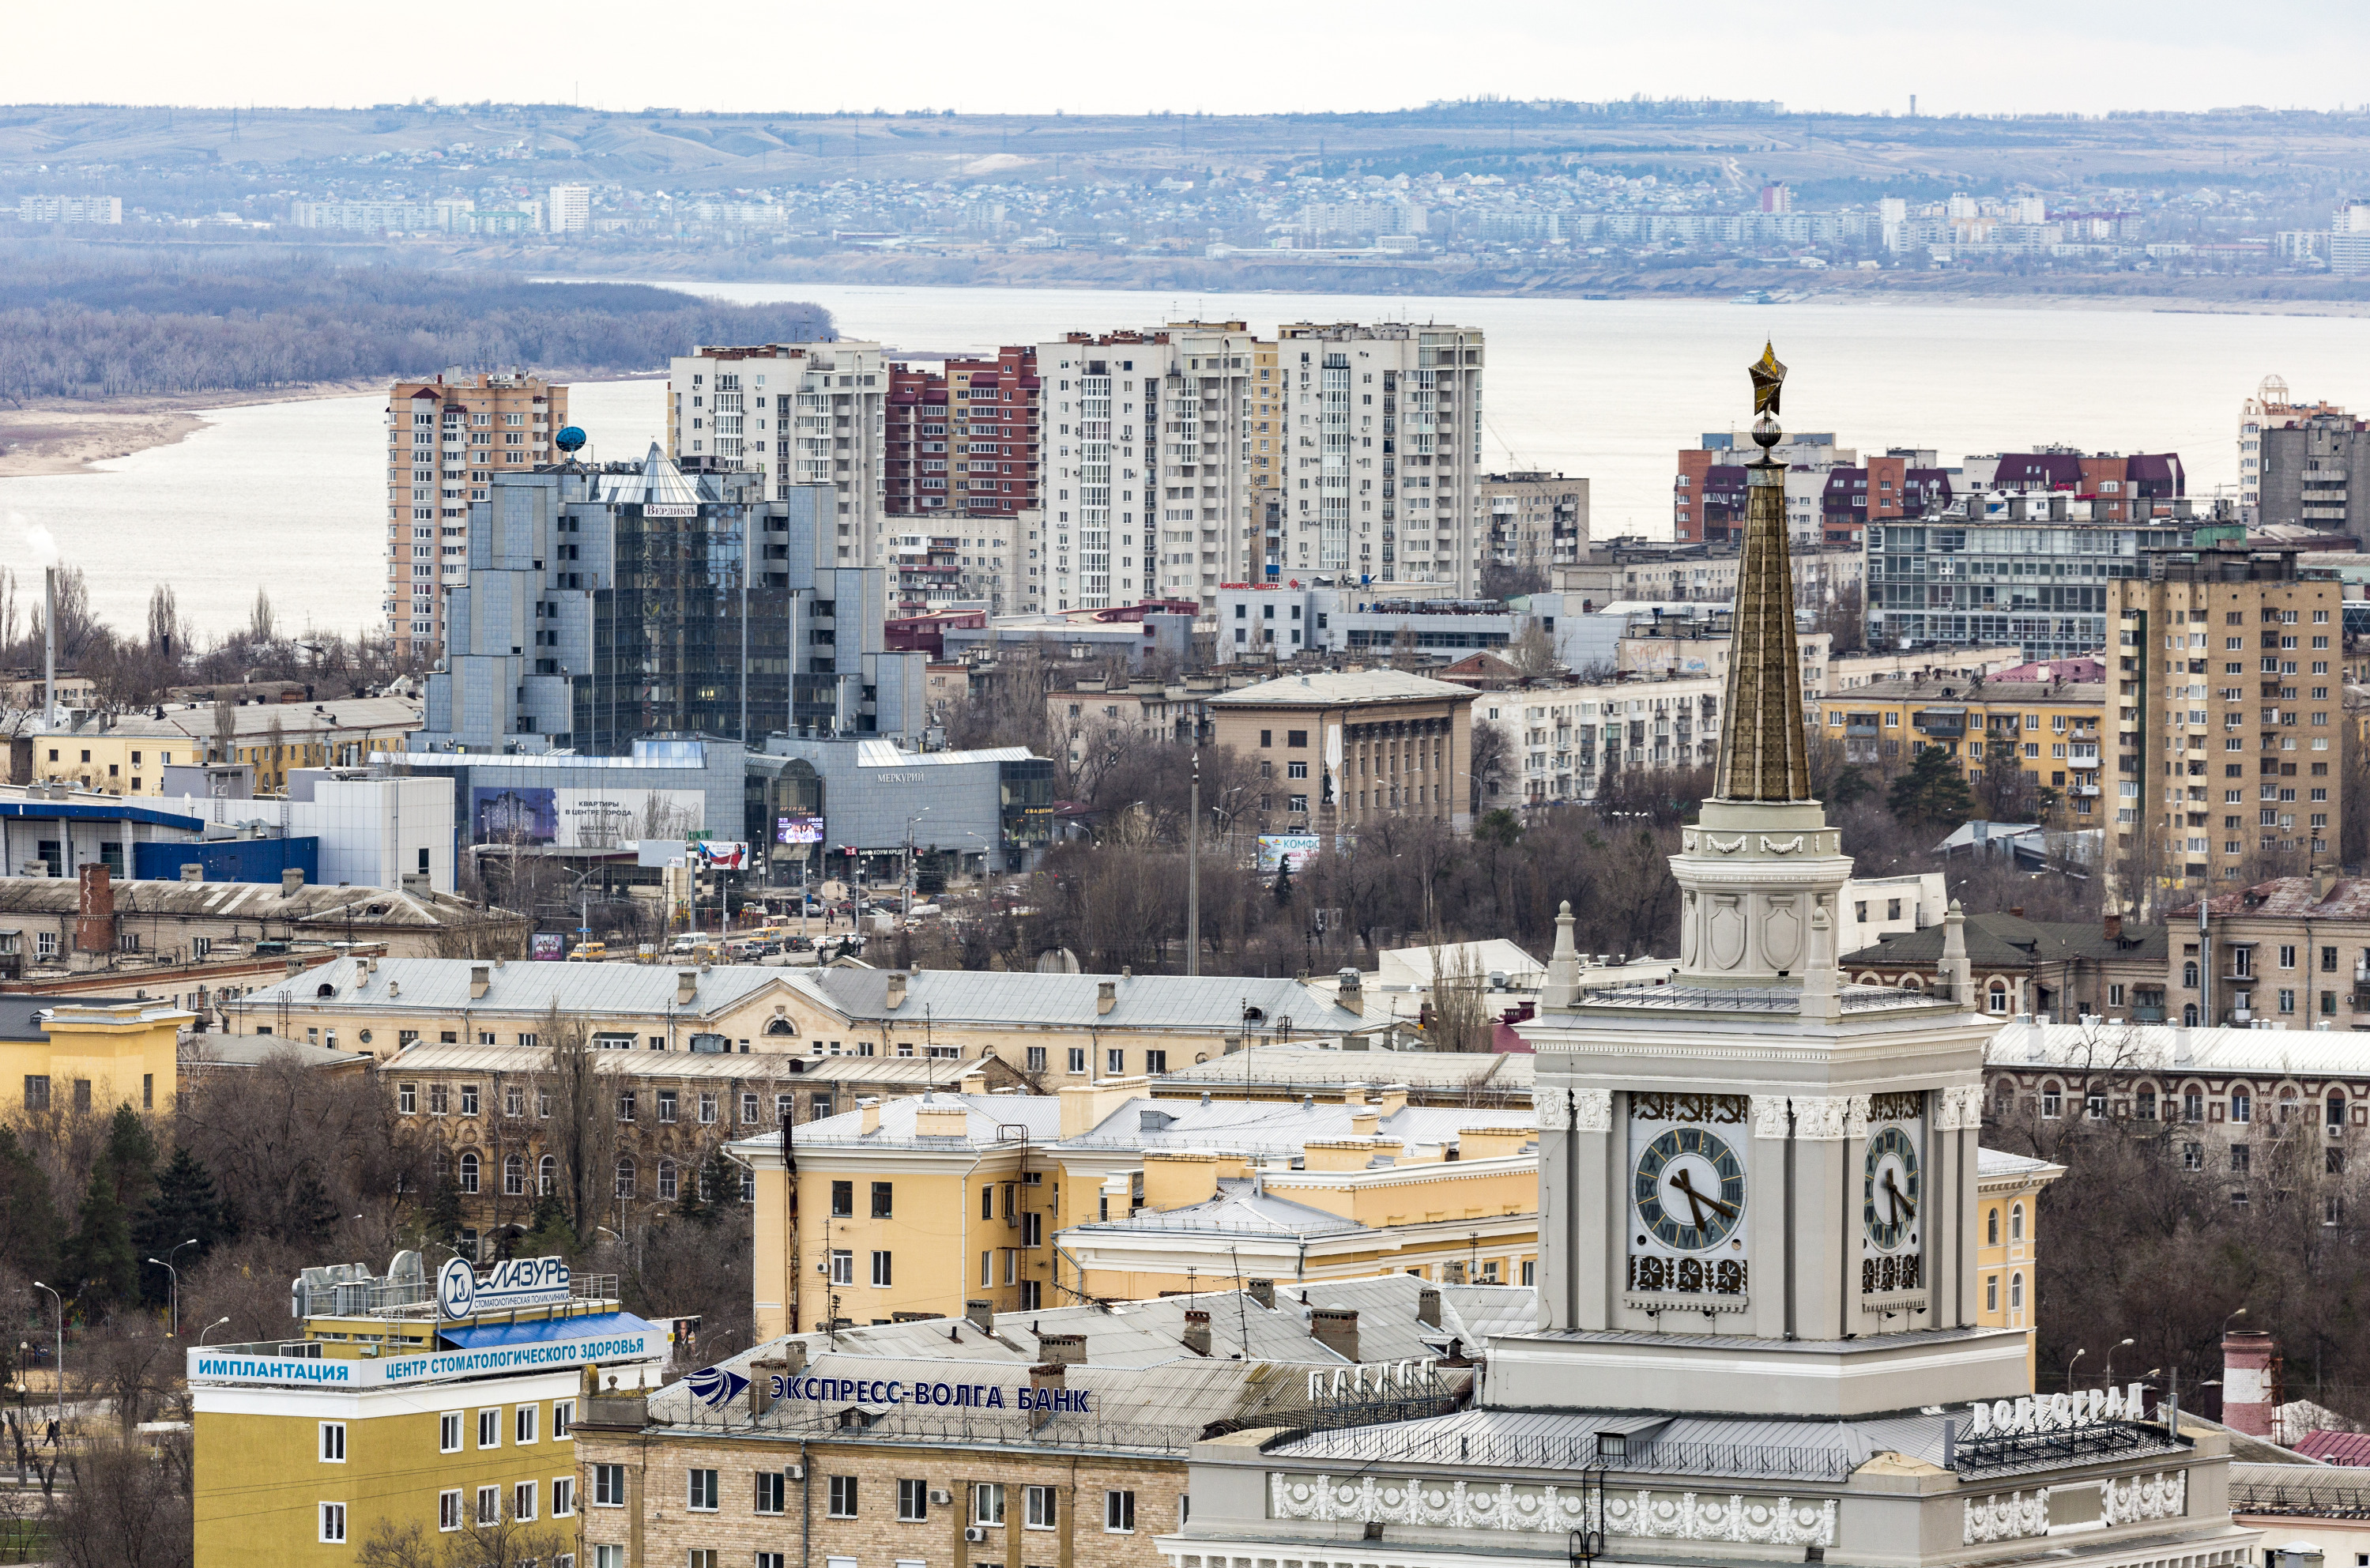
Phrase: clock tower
pixel 1757 1188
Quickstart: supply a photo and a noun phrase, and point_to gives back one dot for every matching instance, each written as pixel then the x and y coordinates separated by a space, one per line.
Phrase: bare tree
pixel 260 623
pixel 1533 651
pixel 129 1505
pixel 583 1129
pixel 505 1541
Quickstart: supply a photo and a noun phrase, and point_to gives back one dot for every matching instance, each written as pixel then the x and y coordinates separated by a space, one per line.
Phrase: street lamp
pixel 59 1371
pixel 908 888
pixel 209 1328
pixel 2077 1355
pixel 174 1322
pixel 2119 1344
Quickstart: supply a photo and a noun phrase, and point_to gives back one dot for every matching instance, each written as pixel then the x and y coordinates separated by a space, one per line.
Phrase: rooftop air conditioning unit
pixel 973 1532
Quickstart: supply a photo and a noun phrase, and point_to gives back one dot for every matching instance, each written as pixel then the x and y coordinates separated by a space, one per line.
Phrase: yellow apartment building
pixel 1054 1029
pixel 2008 1242
pixel 918 1207
pixel 445 1402
pixel 59 1054
pixel 2050 728
pixel 127 755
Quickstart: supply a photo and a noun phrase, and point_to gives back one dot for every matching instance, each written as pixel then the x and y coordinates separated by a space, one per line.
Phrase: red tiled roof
pixel 2335 1448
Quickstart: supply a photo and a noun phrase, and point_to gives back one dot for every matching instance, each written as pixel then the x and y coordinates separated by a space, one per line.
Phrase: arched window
pixel 1998 997
pixel 2336 1111
pixel 2289 1106
pixel 2053 1099
pixel 2003 1098
pixel 2189 975
pixel 547 1171
pixel 1912 982
pixel 468 1170
pixel 2015 1292
pixel 2188 1015
pixel 781 1026
pixel 1991 1226
pixel 514 1176
pixel 666 1178
pixel 625 1178
pixel 2242 1105
pixel 2016 1222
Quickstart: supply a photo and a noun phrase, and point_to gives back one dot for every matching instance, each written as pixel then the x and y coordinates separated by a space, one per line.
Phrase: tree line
pixel 78 323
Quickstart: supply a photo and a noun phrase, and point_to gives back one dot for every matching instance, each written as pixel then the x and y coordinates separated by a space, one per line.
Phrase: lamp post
pixel 2070 1360
pixel 209 1328
pixel 58 1372
pixel 2110 1381
pixel 174 1322
pixel 908 889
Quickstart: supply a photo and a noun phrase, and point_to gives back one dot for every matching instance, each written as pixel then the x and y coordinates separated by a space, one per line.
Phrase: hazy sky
pixel 1216 55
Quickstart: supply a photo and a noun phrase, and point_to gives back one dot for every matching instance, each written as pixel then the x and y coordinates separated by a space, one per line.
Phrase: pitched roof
pixel 967 997
pixel 443 984
pixel 1333 686
pixel 2174 1051
pixel 1311 1067
pixel 2011 941
pixel 1241 1209
pixel 2348 898
pixel 313 905
pixel 1255 1128
pixel 988 1120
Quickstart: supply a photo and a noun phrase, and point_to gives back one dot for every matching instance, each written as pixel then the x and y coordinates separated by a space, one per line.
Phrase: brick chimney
pixel 480 977
pixel 2250 1381
pixel 1335 1327
pixel 1106 996
pixel 896 996
pixel 1197 1332
pixel 289 881
pixel 1427 1307
pixel 686 986
pixel 94 910
pixel 2114 925
pixel 1261 1291
pixel 981 1315
pixel 1062 1349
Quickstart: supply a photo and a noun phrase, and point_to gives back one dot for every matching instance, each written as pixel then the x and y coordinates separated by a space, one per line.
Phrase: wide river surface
pixel 292 496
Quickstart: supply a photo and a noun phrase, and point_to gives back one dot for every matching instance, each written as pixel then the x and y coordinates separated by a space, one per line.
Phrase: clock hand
pixel 1681 1182
pixel 1900 1199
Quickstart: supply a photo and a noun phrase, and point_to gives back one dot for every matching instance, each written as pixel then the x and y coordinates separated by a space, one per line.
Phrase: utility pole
pixel 1193 873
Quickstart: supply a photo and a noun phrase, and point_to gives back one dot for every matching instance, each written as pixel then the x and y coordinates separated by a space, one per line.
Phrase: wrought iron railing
pixel 2097 1439
pixel 1579 1452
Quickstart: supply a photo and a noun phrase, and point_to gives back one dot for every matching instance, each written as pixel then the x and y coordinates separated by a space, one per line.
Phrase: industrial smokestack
pixel 50 636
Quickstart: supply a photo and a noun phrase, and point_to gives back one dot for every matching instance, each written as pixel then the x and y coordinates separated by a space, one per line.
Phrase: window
pixel 769 1560
pixel 700 1557
pixel 769 1491
pixel 469 1099
pixel 522 1501
pixel 2052 1100
pixel 699 1491
pixel 608 1557
pixel 333 1442
pixel 1115 1061
pixel 608 1486
pixel 2240 1159
pixel 489 1505
pixel 1991 1293
pixel 440 1100
pixel 2016 1222
pixel 707 1106
pixel 880 1268
pixel 987 1503
pixel 490 1428
pixel 843 1267
pixel 1991 1228
pixel 448 1432
pixel 1119 1512
pixel 2015 1292
pixel 843 1200
pixel 563 1497
pixel 514 1176
pixel 522 1424
pixel 547 1171
pixel 667 1183
pixel 625 1178
pixel 468 1170
pixel 1156 1061
pixel 448 1510
pixel 1039 1507
pixel 749 1108
pixel 563 1414
pixel 2193 1157
pixel 333 1523
pixel 913 1500
pixel 514 1099
pixel 1036 1058
pixel 666 1104
pixel 843 1497
pixel 407 1098
pixel 626 1106
pixel 2242 1106
pixel 882 1192
pixel 1077 1058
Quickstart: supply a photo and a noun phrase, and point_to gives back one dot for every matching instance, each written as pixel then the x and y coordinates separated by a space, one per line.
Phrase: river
pixel 290 495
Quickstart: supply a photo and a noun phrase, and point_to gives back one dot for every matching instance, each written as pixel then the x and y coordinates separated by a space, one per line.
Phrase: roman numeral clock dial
pixel 1687 1190
pixel 1893 1199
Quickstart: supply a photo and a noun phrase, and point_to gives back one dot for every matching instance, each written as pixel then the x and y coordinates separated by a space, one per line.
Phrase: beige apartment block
pixel 1333 750
pixel 800 414
pixel 1536 520
pixel 445 440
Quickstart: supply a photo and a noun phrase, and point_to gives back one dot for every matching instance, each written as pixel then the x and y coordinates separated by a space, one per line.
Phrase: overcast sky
pixel 1223 56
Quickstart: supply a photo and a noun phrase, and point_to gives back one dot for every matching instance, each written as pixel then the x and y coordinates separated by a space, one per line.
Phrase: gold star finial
pixel 1768 380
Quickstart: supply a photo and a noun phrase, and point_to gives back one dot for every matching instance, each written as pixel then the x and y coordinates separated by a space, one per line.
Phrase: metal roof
pixel 1212 1003
pixel 1334 687
pixel 443 984
pixel 1269 1067
pixel 772 1066
pixel 313 904
pixel 2172 1051
pixel 986 1117
pixel 1241 1209
pixel 887 754
pixel 1267 1127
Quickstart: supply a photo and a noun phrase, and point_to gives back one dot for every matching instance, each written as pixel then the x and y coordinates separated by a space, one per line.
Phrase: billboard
pixel 717 855
pixel 546 946
pixel 582 819
pixel 1291 849
pixel 513 816
pixel 798 830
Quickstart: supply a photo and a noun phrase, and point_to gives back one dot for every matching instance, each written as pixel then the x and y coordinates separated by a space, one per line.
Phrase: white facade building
pixel 1384 425
pixel 570 209
pixel 70 208
pixel 800 414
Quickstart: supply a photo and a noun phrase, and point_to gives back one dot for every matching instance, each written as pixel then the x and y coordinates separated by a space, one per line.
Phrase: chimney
pixel 94 910
pixel 1060 1351
pixel 686 986
pixel 1197 1332
pixel 794 1357
pixel 1365 1121
pixel 1335 1327
pixel 480 977
pixel 1353 1094
pixel 289 881
pixel 1262 1291
pixel 2114 927
pixel 867 1119
pixel 981 1315
pixel 2324 877
pixel 1427 1307
pixel 1350 988
pixel 1047 1374
pixel 1106 996
pixel 2250 1381
pixel 1393 1100
pixel 193 872
pixel 896 998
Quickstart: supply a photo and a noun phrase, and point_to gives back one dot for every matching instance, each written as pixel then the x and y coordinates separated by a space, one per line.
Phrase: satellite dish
pixel 569 439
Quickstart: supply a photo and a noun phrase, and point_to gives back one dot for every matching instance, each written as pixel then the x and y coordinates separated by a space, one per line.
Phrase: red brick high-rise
pixel 963 454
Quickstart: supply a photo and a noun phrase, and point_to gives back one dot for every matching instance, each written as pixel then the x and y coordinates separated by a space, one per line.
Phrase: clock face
pixel 1689 1189
pixel 1894 1194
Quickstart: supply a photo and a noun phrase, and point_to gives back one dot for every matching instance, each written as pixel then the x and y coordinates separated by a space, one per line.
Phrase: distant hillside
pixel 84 324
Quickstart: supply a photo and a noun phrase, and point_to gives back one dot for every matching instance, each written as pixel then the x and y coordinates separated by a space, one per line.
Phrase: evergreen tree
pixel 131 1151
pixel 99 1258
pixel 1284 885
pixel 29 1241
pixel 1931 794
pixel 550 1235
pixel 442 1219
pixel 185 1207
pixel 312 1213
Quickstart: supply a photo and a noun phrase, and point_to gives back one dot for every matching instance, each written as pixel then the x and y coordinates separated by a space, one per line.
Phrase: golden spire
pixel 1764 754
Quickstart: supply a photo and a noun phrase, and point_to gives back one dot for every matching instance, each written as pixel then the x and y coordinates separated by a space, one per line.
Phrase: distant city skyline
pixel 1820 56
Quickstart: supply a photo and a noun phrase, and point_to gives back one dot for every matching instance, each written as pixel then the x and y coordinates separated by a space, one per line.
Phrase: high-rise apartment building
pixel 1382 476
pixel 2232 734
pixel 570 209
pixel 1537 520
pixel 962 463
pixel 797 413
pixel 445 440
pixel 2308 458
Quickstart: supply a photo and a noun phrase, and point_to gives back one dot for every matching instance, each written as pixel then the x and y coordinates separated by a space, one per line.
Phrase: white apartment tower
pixel 1384 430
pixel 800 414
pixel 571 211
pixel 1161 446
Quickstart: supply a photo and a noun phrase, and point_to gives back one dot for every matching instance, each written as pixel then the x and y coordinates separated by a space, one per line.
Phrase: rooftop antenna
pixel 1242 1313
